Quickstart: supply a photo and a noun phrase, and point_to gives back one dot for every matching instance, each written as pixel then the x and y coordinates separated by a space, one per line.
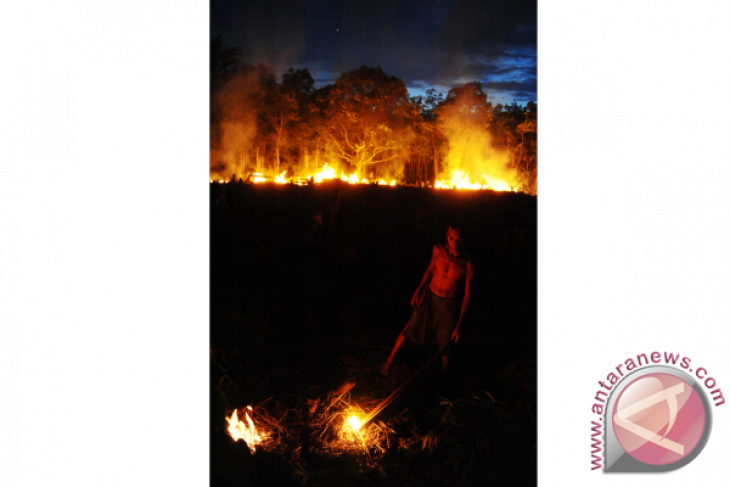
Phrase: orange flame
pixel 352 431
pixel 461 180
pixel 326 173
pixel 280 178
pixel 354 423
pixel 244 431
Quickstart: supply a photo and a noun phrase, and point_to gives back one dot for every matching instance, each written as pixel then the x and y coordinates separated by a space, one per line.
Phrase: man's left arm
pixel 467 298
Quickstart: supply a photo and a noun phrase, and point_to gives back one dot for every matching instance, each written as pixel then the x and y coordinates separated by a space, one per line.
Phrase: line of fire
pixel 329 208
pixel 364 128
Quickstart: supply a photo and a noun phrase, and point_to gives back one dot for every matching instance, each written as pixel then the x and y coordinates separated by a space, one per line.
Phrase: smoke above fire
pixel 472 155
pixel 233 137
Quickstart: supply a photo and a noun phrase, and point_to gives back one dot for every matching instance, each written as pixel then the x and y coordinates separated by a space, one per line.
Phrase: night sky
pixel 427 44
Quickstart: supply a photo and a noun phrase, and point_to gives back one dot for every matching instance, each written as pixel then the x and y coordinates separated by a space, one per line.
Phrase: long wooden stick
pixel 385 402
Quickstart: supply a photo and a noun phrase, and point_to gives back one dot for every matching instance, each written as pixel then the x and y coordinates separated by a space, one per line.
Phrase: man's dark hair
pixel 458 225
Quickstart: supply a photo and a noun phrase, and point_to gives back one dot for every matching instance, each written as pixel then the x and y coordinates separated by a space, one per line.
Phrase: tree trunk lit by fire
pixel 365 127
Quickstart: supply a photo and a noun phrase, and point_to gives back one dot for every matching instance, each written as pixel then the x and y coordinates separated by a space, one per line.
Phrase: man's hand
pixel 455 334
pixel 417 298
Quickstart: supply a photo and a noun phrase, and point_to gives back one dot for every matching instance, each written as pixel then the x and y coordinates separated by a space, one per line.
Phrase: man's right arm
pixel 417 298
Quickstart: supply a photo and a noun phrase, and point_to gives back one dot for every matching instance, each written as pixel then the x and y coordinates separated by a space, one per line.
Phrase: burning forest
pixel 364 129
pixel 327 204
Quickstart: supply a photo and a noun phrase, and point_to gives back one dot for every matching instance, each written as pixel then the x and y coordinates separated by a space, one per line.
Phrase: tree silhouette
pixel 368 114
pixel 225 61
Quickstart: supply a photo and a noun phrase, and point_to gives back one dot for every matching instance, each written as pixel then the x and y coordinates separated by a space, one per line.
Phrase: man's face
pixel 454 239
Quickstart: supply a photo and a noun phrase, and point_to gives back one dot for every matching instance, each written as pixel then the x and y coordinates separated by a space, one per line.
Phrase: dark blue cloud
pixel 424 43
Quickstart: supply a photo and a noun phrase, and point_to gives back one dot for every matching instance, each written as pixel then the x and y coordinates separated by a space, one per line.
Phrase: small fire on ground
pixel 246 431
pixel 354 423
pixel 348 432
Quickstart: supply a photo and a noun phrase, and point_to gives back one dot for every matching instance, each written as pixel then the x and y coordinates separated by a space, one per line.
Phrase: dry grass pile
pixel 329 425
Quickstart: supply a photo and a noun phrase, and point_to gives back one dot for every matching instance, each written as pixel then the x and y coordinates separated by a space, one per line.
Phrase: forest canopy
pixel 365 123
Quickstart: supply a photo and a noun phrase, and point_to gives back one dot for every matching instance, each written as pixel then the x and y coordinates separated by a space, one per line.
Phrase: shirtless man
pixel 437 315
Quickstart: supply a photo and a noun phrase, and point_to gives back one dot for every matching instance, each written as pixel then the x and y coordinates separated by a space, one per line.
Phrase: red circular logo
pixel 658 419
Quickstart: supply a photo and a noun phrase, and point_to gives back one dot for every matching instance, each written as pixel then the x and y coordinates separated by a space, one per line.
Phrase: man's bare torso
pixel 449 272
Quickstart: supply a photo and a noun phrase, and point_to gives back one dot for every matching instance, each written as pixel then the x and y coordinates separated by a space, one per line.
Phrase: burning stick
pixel 385 402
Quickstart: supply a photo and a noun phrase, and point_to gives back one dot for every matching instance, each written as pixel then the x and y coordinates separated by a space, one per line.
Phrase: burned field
pixel 311 285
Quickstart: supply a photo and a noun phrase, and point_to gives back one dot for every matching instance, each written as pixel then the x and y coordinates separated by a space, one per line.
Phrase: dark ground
pixel 297 309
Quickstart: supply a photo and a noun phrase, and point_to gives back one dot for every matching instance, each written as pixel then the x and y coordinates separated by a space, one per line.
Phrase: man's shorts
pixel 433 321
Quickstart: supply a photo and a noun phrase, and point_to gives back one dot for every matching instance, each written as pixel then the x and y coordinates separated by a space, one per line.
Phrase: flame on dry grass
pixel 280 178
pixel 246 431
pixel 334 422
pixel 327 173
pixel 461 180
